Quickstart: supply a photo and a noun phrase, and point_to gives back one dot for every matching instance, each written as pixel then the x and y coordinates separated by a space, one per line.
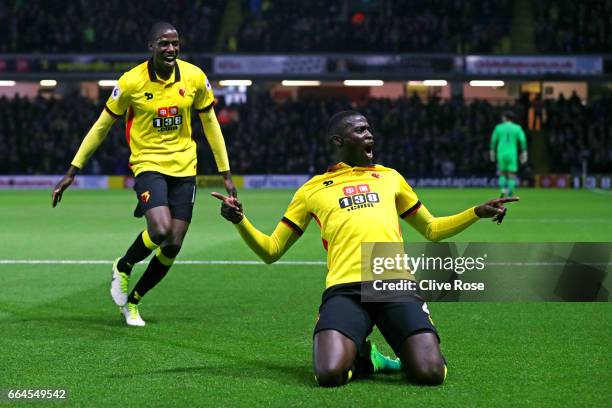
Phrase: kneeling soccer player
pixel 340 348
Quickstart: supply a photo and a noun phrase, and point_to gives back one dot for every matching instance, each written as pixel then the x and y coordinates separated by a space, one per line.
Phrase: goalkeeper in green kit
pixel 504 145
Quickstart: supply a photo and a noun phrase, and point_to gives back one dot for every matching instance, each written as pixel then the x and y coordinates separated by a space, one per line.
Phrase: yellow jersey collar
pixel 343 166
pixel 153 76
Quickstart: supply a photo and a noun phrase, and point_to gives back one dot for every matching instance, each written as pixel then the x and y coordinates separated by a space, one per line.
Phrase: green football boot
pixel 382 363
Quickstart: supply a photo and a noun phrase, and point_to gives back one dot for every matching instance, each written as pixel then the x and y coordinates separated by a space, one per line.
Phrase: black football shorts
pixel 155 189
pixel 342 309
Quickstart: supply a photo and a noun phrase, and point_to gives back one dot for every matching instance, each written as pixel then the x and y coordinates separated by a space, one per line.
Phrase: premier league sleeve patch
pixel 116 92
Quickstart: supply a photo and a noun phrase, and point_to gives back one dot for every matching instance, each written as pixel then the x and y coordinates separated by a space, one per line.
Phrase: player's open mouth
pixel 169 59
pixel 369 149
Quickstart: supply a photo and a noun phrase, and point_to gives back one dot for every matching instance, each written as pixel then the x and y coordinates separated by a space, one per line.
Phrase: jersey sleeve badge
pixel 116 92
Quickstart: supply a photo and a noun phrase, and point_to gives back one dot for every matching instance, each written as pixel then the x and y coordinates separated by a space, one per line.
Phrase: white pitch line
pixel 102 262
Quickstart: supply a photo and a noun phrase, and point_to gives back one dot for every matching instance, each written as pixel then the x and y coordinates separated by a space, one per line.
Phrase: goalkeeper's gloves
pixel 523 157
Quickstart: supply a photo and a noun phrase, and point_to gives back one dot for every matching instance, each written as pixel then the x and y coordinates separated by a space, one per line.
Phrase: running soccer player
pixel 333 201
pixel 156 98
pixel 504 142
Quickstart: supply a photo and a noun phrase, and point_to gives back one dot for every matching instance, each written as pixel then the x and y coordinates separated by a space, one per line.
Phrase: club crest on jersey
pixel 144 197
pixel 182 92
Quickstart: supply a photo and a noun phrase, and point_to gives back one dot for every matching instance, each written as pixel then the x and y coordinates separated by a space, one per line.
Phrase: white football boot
pixel 119 285
pixel 132 317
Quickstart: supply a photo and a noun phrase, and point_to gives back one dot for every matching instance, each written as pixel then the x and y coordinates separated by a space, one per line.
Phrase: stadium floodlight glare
pixel 289 82
pixel 8 83
pixel 363 82
pixel 108 82
pixel 428 82
pixel 435 82
pixel 48 82
pixel 493 83
pixel 236 82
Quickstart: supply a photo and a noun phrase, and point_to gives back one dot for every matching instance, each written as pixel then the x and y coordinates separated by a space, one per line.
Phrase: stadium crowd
pixel 437 138
pixel 569 26
pixel 400 25
pixel 41 136
pixel 476 26
pixel 103 26
pixel 580 133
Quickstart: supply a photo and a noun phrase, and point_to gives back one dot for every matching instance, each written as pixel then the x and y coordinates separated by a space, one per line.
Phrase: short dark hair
pixel 157 29
pixel 509 115
pixel 337 121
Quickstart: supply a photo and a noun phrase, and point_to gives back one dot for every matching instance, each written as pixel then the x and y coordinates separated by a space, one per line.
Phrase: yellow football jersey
pixel 158 116
pixel 352 205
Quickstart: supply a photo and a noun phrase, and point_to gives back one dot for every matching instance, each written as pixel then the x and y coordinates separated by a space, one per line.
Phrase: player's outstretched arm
pixel 268 247
pixel 89 145
pixel 229 184
pixel 213 134
pixel 439 228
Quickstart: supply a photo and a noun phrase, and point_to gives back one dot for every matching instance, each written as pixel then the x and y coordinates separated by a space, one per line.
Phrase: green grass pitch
pixel 240 335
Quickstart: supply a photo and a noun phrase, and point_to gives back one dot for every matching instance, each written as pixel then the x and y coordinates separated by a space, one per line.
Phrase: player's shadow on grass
pixel 223 371
pixel 283 373
pixel 100 314
pixel 287 374
pixel 53 326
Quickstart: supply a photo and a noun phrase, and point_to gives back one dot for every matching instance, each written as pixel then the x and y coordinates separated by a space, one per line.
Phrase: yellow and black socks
pixel 139 250
pixel 155 272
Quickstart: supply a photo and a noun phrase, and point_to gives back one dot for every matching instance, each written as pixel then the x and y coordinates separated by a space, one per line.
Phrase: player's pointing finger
pixel 218 195
pixel 509 199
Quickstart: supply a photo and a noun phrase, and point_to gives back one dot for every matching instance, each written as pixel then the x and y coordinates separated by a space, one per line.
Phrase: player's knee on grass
pixel 422 360
pixel 332 375
pixel 333 357
pixel 427 371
